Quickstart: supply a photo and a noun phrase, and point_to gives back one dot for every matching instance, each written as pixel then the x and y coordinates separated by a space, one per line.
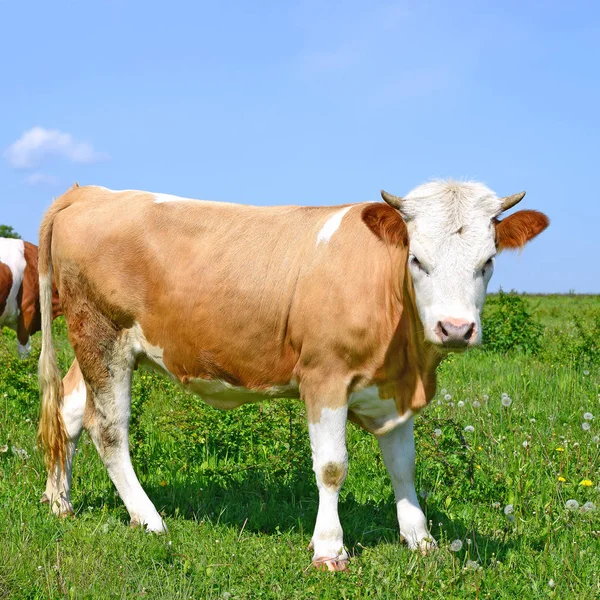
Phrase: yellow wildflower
pixel 561 479
pixel 586 483
pixel 478 467
pixel 163 483
pixel 559 449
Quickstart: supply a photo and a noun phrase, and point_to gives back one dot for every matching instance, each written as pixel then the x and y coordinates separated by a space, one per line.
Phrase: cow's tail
pixel 52 433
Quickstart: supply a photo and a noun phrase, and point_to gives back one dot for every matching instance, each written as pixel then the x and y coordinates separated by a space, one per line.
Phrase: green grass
pixel 239 498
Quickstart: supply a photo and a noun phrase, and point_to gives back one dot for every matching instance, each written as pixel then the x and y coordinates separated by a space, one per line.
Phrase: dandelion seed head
pixel 588 507
pixel 525 444
pixel 447 397
pixel 585 426
pixel 588 416
pixel 510 518
pixel 443 391
pixel 572 504
pixel 471 565
pixel 506 401
pixel 586 372
pixel 460 404
pixel 476 404
pixel 456 546
pixel 551 584
pixel 509 509
pixel 469 429
pixel 485 397
pixel 437 432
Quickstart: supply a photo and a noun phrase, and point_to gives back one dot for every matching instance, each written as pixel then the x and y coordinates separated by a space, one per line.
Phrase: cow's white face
pixel 453 241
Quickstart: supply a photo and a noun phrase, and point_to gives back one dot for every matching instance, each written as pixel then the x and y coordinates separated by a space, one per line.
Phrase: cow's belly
pixel 216 392
pixel 223 395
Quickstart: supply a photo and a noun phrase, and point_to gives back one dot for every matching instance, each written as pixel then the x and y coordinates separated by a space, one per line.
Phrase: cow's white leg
pixel 330 463
pixel 58 484
pixel 398 449
pixel 108 427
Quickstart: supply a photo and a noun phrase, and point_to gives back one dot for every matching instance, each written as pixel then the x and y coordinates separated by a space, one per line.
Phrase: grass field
pixel 238 493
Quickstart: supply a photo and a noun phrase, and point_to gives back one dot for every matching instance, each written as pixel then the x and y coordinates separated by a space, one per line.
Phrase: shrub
pixel 508 326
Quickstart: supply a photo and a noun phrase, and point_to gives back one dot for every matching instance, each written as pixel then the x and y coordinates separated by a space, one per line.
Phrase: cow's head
pixel 454 234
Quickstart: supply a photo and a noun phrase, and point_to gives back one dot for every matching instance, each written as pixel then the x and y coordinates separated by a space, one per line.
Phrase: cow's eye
pixel 415 262
pixel 488 265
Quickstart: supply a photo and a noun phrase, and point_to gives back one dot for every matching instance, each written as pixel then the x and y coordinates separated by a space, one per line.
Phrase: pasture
pixel 497 477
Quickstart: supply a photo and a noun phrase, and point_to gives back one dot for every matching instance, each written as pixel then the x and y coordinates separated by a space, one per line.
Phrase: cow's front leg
pixel 327 429
pixel 398 449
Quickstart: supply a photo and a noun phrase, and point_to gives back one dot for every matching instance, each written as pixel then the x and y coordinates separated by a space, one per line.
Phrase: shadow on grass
pixel 257 504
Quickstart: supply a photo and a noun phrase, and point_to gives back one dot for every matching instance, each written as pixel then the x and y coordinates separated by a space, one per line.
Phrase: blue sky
pixel 312 102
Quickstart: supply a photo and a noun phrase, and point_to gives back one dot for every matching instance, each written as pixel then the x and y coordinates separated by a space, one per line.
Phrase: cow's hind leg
pixel 109 408
pixel 327 416
pixel 58 485
pixel 106 357
pixel 398 449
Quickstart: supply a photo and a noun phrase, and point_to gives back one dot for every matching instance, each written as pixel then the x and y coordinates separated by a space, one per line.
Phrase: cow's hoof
pixel 427 546
pixel 60 507
pixel 331 564
pixel 151 526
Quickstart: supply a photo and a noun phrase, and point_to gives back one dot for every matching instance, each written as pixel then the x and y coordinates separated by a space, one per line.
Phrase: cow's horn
pixel 510 201
pixel 394 201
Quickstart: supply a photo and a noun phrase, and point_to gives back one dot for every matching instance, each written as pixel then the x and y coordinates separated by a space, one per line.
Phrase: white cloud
pixel 37 144
pixel 38 178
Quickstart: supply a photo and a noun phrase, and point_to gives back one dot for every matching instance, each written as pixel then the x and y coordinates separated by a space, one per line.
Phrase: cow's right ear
pixel 386 223
pixel 520 227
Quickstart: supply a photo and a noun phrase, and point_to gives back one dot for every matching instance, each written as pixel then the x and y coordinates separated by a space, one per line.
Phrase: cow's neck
pixel 411 360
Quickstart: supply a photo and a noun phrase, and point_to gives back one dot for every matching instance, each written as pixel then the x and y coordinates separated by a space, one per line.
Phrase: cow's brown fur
pixel 386 223
pixel 6 281
pixel 517 229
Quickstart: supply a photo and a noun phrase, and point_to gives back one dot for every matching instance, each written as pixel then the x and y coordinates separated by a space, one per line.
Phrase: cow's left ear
pixel 520 227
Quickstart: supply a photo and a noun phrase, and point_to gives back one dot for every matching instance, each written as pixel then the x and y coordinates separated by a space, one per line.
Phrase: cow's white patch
pixel 215 392
pixel 12 254
pixel 398 449
pixel 331 225
pixel 162 198
pixel 105 189
pixel 330 463
pixel 225 396
pixel 376 415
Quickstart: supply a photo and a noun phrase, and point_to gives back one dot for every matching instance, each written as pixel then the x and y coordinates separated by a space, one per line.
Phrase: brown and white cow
pixel 19 291
pixel 349 308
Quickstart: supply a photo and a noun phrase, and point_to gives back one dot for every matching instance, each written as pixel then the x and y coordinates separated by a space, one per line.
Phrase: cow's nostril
pixel 469 333
pixel 442 329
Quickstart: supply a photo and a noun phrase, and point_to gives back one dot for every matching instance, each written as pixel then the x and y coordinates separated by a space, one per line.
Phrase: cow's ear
pixel 386 223
pixel 520 227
